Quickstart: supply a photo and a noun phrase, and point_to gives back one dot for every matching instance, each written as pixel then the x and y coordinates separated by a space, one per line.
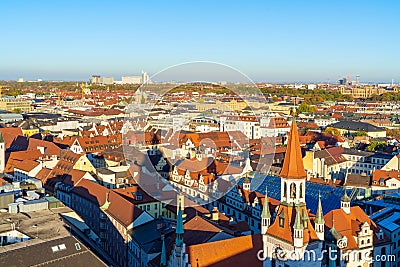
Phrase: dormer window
pixel 282 219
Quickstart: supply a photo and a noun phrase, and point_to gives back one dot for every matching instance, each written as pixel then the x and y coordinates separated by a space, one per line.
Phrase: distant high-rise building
pixel 145 78
pixel 108 80
pixel 96 79
pixel 139 79
pixel 131 79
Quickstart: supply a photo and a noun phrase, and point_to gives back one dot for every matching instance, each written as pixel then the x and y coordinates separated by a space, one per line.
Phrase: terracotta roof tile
pixel 238 251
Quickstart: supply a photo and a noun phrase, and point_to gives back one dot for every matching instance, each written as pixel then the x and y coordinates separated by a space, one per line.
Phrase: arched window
pixel 284 189
pixel 293 190
pixel 301 190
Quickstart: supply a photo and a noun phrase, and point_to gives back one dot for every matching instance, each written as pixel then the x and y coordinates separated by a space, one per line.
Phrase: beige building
pixel 15 105
pixel 232 105
pixel 362 92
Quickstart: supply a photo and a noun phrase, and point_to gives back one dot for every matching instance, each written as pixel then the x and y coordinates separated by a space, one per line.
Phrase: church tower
pixel 179 258
pixel 293 174
pixel 265 215
pixel 291 229
pixel 319 221
pixel 345 203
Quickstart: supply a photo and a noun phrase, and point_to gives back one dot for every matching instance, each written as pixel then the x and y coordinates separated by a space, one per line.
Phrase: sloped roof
pixel 286 232
pixel 348 224
pixel 357 126
pixel 293 163
pixel 238 251
pixel 198 230
pixel 122 210
pixel 377 175
pixel 17 158
pixel 9 135
pixel 49 147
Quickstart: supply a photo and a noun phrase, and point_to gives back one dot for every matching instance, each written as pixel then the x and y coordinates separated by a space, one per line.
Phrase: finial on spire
pixel 345 197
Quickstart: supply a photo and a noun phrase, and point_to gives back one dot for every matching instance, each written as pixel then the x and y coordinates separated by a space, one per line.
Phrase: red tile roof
pixel 9 135
pixel 238 251
pixel 349 224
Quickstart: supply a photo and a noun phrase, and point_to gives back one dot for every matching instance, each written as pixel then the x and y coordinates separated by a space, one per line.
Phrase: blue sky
pixel 267 40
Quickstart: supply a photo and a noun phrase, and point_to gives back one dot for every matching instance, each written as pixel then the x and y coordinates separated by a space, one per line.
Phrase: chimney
pixel 215 214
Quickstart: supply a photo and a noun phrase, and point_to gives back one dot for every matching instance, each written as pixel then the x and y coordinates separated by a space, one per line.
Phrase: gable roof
pixel 379 175
pixel 9 135
pixel 348 224
pixel 49 147
pixel 19 157
pixel 122 209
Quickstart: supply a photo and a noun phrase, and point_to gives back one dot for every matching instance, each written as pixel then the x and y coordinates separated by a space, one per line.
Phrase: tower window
pixel 301 190
pixel 284 189
pixel 293 190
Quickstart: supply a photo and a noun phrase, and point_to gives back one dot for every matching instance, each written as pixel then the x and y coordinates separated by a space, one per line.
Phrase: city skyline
pixel 273 42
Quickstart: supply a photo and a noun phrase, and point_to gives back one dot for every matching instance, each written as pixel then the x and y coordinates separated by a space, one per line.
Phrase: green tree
pixel 376 146
pixel 305 108
pixel 332 131
pixel 360 133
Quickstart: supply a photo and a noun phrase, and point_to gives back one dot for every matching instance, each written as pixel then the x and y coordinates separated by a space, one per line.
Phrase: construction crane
pixel 83 92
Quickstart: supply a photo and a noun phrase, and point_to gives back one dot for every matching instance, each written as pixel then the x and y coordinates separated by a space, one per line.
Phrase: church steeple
pixel 265 215
pixel 293 175
pixel 179 227
pixel 293 167
pixel 179 258
pixel 319 220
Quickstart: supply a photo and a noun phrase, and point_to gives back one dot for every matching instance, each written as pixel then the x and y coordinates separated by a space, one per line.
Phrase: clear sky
pixel 268 40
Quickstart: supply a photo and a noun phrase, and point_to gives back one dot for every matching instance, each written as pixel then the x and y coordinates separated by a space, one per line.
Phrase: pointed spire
pixel 345 197
pixel 319 217
pixel 297 223
pixel 265 212
pixel 163 261
pixel 179 227
pixel 293 163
